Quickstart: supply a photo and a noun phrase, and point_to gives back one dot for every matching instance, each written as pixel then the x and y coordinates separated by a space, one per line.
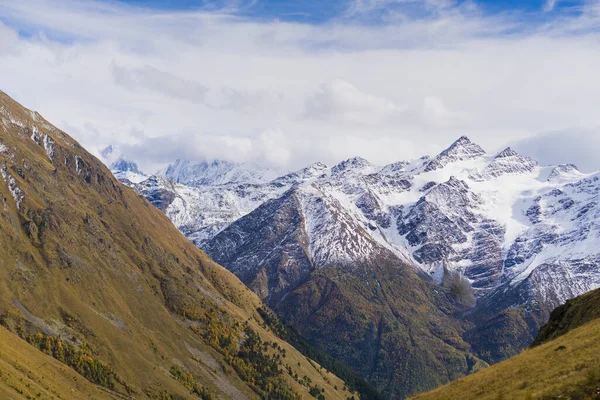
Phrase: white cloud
pixel 578 147
pixel 338 99
pixel 154 80
pixel 8 38
pixel 211 85
pixel 549 5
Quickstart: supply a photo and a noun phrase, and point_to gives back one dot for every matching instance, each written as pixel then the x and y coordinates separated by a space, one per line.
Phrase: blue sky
pixel 322 11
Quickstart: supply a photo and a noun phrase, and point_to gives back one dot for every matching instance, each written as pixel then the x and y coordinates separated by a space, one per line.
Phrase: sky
pixel 286 83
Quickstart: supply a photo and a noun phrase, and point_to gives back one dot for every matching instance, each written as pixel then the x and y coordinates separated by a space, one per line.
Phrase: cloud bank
pixel 385 79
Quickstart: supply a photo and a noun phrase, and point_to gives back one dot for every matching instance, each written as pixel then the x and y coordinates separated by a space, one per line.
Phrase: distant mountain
pixel 123 169
pixel 216 173
pixel 501 232
pixel 482 215
pixel 98 279
pixel 123 165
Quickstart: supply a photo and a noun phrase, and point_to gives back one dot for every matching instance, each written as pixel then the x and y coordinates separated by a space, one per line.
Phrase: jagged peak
pixel 563 169
pixel 462 140
pixel 217 172
pixel 355 161
pixel 398 166
pixel 566 168
pixel 306 173
pixel 507 152
pixel 455 182
pixel 351 163
pixel 318 165
pixel 217 163
pixel 462 149
pixel 461 143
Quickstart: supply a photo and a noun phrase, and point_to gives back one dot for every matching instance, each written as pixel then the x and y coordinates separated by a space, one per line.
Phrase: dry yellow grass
pixel 567 367
pixel 26 372
pixel 79 243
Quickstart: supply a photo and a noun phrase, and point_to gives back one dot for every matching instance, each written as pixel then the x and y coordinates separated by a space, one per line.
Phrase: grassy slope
pixel 86 259
pixel 572 314
pixel 25 371
pixel 566 366
pixel 564 362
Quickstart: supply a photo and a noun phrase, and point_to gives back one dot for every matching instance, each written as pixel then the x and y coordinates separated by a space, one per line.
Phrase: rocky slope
pixel 99 279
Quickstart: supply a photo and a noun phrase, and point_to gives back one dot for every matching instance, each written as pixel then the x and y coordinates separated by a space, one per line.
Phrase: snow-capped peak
pixel 312 171
pixel 507 152
pixel 354 164
pixel 492 218
pixel 395 168
pixel 462 149
pixel 123 169
pixel 124 165
pixel 563 171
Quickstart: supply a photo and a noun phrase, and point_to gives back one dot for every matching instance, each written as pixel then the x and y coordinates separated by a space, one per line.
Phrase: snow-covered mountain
pixel 499 219
pixel 123 169
pixel 217 172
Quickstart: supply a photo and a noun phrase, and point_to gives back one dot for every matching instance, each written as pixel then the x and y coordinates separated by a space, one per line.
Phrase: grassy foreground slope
pixel 96 277
pixel 565 363
pixel 26 372
pixel 574 313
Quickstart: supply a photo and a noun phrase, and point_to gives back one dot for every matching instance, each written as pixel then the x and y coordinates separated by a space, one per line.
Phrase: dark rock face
pixel 448 216
pixel 268 251
pixel 371 207
pixel 156 193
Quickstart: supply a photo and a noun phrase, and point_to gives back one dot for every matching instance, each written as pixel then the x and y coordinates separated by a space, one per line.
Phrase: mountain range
pixel 428 268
